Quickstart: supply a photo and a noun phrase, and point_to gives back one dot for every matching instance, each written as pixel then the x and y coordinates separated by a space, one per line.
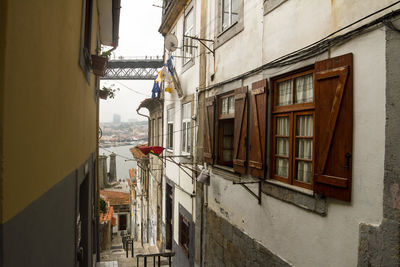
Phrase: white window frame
pixel 186 128
pixel 230 23
pixel 170 131
pixel 188 49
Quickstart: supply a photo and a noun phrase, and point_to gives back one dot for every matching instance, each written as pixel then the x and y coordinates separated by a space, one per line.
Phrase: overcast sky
pixel 138 36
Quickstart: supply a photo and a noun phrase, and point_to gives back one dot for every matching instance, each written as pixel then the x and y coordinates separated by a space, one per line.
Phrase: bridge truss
pixel 132 69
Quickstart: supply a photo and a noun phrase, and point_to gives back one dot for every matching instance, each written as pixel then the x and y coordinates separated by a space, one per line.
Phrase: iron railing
pixel 154 255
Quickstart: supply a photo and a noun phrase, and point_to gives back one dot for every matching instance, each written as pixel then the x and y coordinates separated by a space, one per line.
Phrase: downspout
pixel 148 139
pixel 148 123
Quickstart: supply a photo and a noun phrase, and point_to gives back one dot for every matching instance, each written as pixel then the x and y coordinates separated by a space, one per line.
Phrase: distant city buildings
pixel 124 132
pixel 117 118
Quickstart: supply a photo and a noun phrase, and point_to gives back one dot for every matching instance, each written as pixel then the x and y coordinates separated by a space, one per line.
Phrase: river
pixel 124 160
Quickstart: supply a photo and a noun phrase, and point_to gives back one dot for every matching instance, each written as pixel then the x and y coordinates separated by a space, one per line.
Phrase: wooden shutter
pixel 240 131
pixel 209 131
pixel 334 127
pixel 258 128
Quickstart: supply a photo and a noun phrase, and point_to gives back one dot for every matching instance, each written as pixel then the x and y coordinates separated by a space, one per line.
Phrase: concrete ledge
pixel 313 203
pixel 270 5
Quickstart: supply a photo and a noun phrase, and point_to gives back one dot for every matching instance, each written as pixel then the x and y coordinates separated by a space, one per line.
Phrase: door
pixel 168 217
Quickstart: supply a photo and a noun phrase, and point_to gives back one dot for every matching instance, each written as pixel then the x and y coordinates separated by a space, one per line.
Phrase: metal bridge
pixel 133 69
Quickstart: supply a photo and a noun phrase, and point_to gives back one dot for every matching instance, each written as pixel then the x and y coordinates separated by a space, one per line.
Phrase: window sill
pixel 300 197
pixel 187 65
pixel 225 172
pixel 292 187
pixel 229 33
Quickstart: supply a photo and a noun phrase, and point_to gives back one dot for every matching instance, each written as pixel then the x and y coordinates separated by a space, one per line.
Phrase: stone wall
pixel 226 245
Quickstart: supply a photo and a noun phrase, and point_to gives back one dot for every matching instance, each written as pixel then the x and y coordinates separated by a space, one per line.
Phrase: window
pixel 160 132
pixel 170 128
pixel 86 38
pixel 188 31
pixel 186 128
pixel 226 122
pixel 153 132
pixel 293 129
pixel 184 234
pixel 230 13
pixel 229 20
pixel 311 129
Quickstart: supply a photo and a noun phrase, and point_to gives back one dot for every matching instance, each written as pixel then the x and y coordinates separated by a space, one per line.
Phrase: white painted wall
pixel 189 80
pixel 304 238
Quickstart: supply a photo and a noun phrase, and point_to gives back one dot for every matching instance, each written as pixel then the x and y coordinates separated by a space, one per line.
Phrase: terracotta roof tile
pixel 106 217
pixel 115 197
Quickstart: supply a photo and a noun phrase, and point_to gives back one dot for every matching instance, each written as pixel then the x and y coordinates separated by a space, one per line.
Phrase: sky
pixel 138 37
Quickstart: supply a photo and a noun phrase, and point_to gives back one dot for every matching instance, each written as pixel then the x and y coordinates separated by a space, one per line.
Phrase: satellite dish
pixel 171 42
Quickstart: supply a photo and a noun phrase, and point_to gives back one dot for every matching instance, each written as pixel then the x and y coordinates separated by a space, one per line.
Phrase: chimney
pixel 103 179
pixel 113 168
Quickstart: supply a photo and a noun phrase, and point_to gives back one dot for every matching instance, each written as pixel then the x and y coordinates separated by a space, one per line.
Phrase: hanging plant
pixel 99 63
pixel 108 92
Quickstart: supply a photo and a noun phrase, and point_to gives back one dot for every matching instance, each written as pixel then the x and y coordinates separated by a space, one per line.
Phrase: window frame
pixel 292 111
pixel 186 148
pixel 160 131
pixel 222 36
pixel 221 120
pixel 186 60
pixel 86 38
pixel 170 128
pixel 184 243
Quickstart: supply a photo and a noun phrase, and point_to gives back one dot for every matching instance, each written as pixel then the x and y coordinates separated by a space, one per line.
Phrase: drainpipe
pixel 148 123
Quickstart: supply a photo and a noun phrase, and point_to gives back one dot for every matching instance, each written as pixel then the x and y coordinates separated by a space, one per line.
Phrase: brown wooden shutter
pixel 240 131
pixel 209 131
pixel 334 127
pixel 258 128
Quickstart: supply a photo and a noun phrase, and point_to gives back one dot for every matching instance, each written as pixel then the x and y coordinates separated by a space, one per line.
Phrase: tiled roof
pixel 106 217
pixel 115 197
pixel 137 154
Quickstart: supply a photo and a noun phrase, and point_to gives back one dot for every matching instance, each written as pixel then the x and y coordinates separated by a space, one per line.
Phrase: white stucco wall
pixel 304 238
pixel 189 79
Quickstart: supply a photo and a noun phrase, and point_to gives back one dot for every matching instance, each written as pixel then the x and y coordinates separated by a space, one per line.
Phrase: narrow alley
pixel 199 133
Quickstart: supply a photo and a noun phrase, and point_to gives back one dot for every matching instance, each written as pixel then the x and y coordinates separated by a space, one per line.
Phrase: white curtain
pixel 304 89
pixel 285 92
pixel 282 167
pixel 304 128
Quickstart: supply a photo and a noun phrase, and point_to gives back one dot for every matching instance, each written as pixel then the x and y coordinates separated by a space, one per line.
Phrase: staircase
pixel 145 255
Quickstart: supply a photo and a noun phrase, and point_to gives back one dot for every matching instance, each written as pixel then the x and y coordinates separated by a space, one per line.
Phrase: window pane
pixel 227 155
pixel 170 115
pixel 225 14
pixel 282 147
pixel 224 106
pixel 282 167
pixel 282 126
pixel 186 111
pixel 227 142
pixel 285 92
pixel 170 135
pixel 304 148
pixel 304 89
pixel 184 136
pixel 189 136
pixel 303 171
pixel 231 104
pixel 235 11
pixel 304 125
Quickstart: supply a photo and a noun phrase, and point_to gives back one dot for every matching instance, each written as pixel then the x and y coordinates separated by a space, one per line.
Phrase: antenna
pixel 171 42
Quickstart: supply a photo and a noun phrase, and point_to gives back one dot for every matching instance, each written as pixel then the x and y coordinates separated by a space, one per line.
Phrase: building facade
pixel 294 118
pixel 49 125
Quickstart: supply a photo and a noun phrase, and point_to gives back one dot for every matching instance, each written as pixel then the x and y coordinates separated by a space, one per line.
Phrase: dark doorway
pixel 83 222
pixel 168 217
pixel 122 222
